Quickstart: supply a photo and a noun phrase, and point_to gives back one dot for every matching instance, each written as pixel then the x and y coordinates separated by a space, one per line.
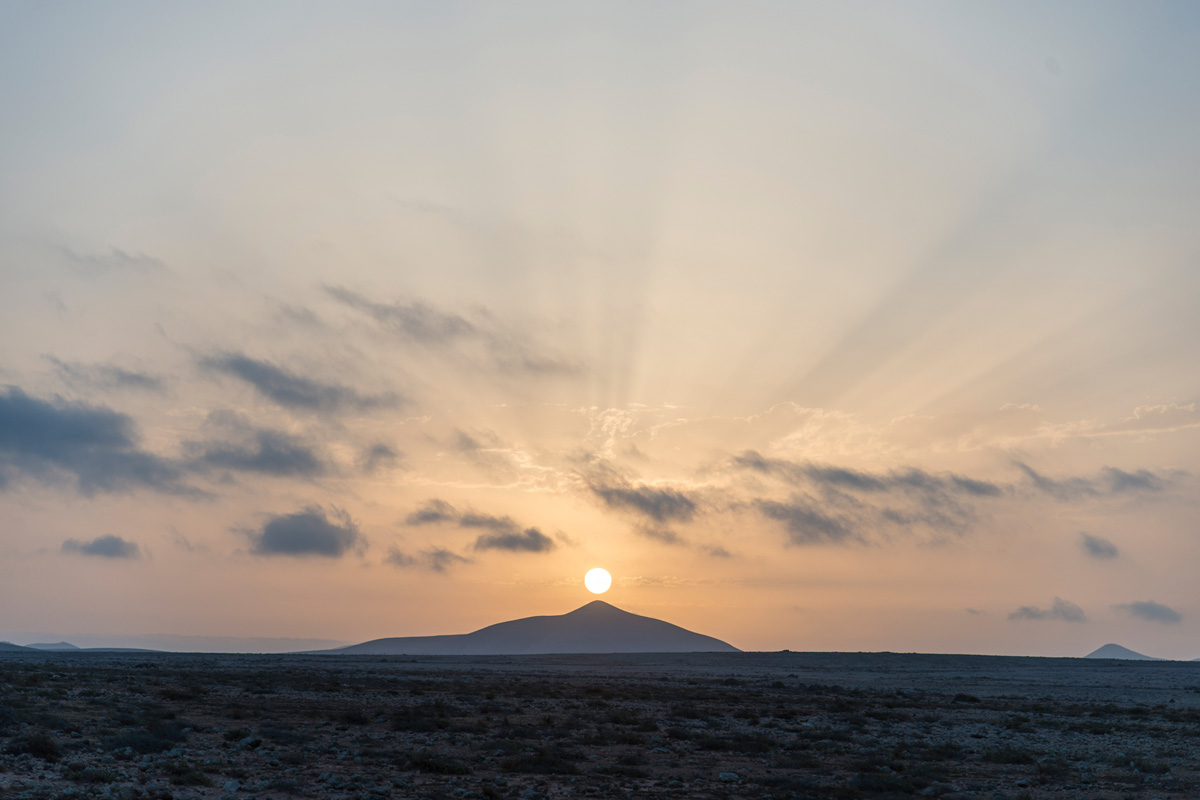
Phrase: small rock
pixel 232 786
pixel 728 776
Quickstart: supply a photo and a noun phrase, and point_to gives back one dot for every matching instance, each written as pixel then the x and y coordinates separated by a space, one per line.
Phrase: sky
pixel 821 326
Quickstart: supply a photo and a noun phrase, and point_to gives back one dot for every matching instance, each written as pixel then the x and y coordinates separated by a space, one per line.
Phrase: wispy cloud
pixel 832 504
pixel 505 533
pixel 654 509
pixel 414 321
pixel 806 523
pixel 1097 546
pixel 485 336
pixel 1061 610
pixel 1150 611
pixel 114 259
pixel 530 540
pixel 295 391
pixel 105 376
pixel 108 546
pixel 1108 482
pixel 262 451
pixel 438 559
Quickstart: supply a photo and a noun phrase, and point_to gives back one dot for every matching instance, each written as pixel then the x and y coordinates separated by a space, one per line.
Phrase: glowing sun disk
pixel 597 580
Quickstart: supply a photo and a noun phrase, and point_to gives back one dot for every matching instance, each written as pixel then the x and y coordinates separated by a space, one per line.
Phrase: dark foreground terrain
pixel 782 725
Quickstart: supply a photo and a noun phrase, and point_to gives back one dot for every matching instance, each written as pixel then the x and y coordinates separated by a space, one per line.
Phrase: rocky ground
pixel 766 725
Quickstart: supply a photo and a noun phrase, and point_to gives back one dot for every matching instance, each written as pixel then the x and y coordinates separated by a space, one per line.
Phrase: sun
pixel 597 580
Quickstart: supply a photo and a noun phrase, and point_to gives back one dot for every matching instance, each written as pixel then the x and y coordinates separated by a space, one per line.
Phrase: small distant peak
pixel 53 646
pixel 1117 651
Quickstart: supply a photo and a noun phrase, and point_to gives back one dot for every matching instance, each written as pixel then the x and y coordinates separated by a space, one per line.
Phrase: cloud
pixel 653 508
pixel 93 445
pixel 433 512
pixel 908 479
pixel 108 546
pixel 311 532
pixel 295 391
pixel 1109 482
pixel 414 321
pixel 1063 610
pixel 438 559
pixel 265 452
pixel 1150 611
pixel 531 540
pixel 113 260
pixel 377 456
pixel 660 505
pixel 473 519
pixel 106 376
pixel 420 323
pixel 1097 546
pixel 505 534
pixel 807 524
pixel 840 500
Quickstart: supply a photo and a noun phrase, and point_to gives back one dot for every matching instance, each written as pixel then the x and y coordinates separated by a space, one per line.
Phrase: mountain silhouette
pixel 53 646
pixel 9 647
pixel 1116 651
pixel 594 628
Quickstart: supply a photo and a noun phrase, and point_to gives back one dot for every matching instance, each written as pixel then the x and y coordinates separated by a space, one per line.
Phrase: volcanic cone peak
pixel 597 627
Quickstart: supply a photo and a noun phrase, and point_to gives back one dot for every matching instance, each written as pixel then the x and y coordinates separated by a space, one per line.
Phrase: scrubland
pixel 748 725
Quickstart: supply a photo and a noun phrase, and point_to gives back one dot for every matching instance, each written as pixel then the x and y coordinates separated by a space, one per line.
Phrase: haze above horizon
pixel 819 326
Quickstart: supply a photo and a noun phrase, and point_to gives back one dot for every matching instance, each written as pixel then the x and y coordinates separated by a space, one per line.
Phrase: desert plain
pixel 728 725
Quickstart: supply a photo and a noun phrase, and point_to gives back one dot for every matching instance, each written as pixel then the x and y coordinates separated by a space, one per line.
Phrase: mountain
pixel 595 628
pixel 1116 651
pixel 9 647
pixel 53 646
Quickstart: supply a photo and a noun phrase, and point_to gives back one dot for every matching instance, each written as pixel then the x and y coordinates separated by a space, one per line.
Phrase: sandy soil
pixel 778 725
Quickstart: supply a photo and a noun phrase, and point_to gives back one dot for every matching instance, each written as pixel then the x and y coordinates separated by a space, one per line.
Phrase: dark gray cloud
pixel 105 376
pixel 108 546
pixel 1150 611
pixel 311 532
pixel 1097 546
pixel 472 519
pixel 414 321
pixel 1109 482
pixel 909 479
pixel 438 559
pixel 263 451
pixel 654 509
pixel 433 512
pixel 295 391
pixel 806 523
pixel 378 456
pixel 531 540
pixel 50 440
pixel 1062 610
pixel 843 505
pixel 661 505
pixel 505 533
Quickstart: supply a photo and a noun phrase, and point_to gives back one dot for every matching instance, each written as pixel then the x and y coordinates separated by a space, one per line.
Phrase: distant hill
pixel 594 628
pixel 1116 651
pixel 9 647
pixel 53 646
